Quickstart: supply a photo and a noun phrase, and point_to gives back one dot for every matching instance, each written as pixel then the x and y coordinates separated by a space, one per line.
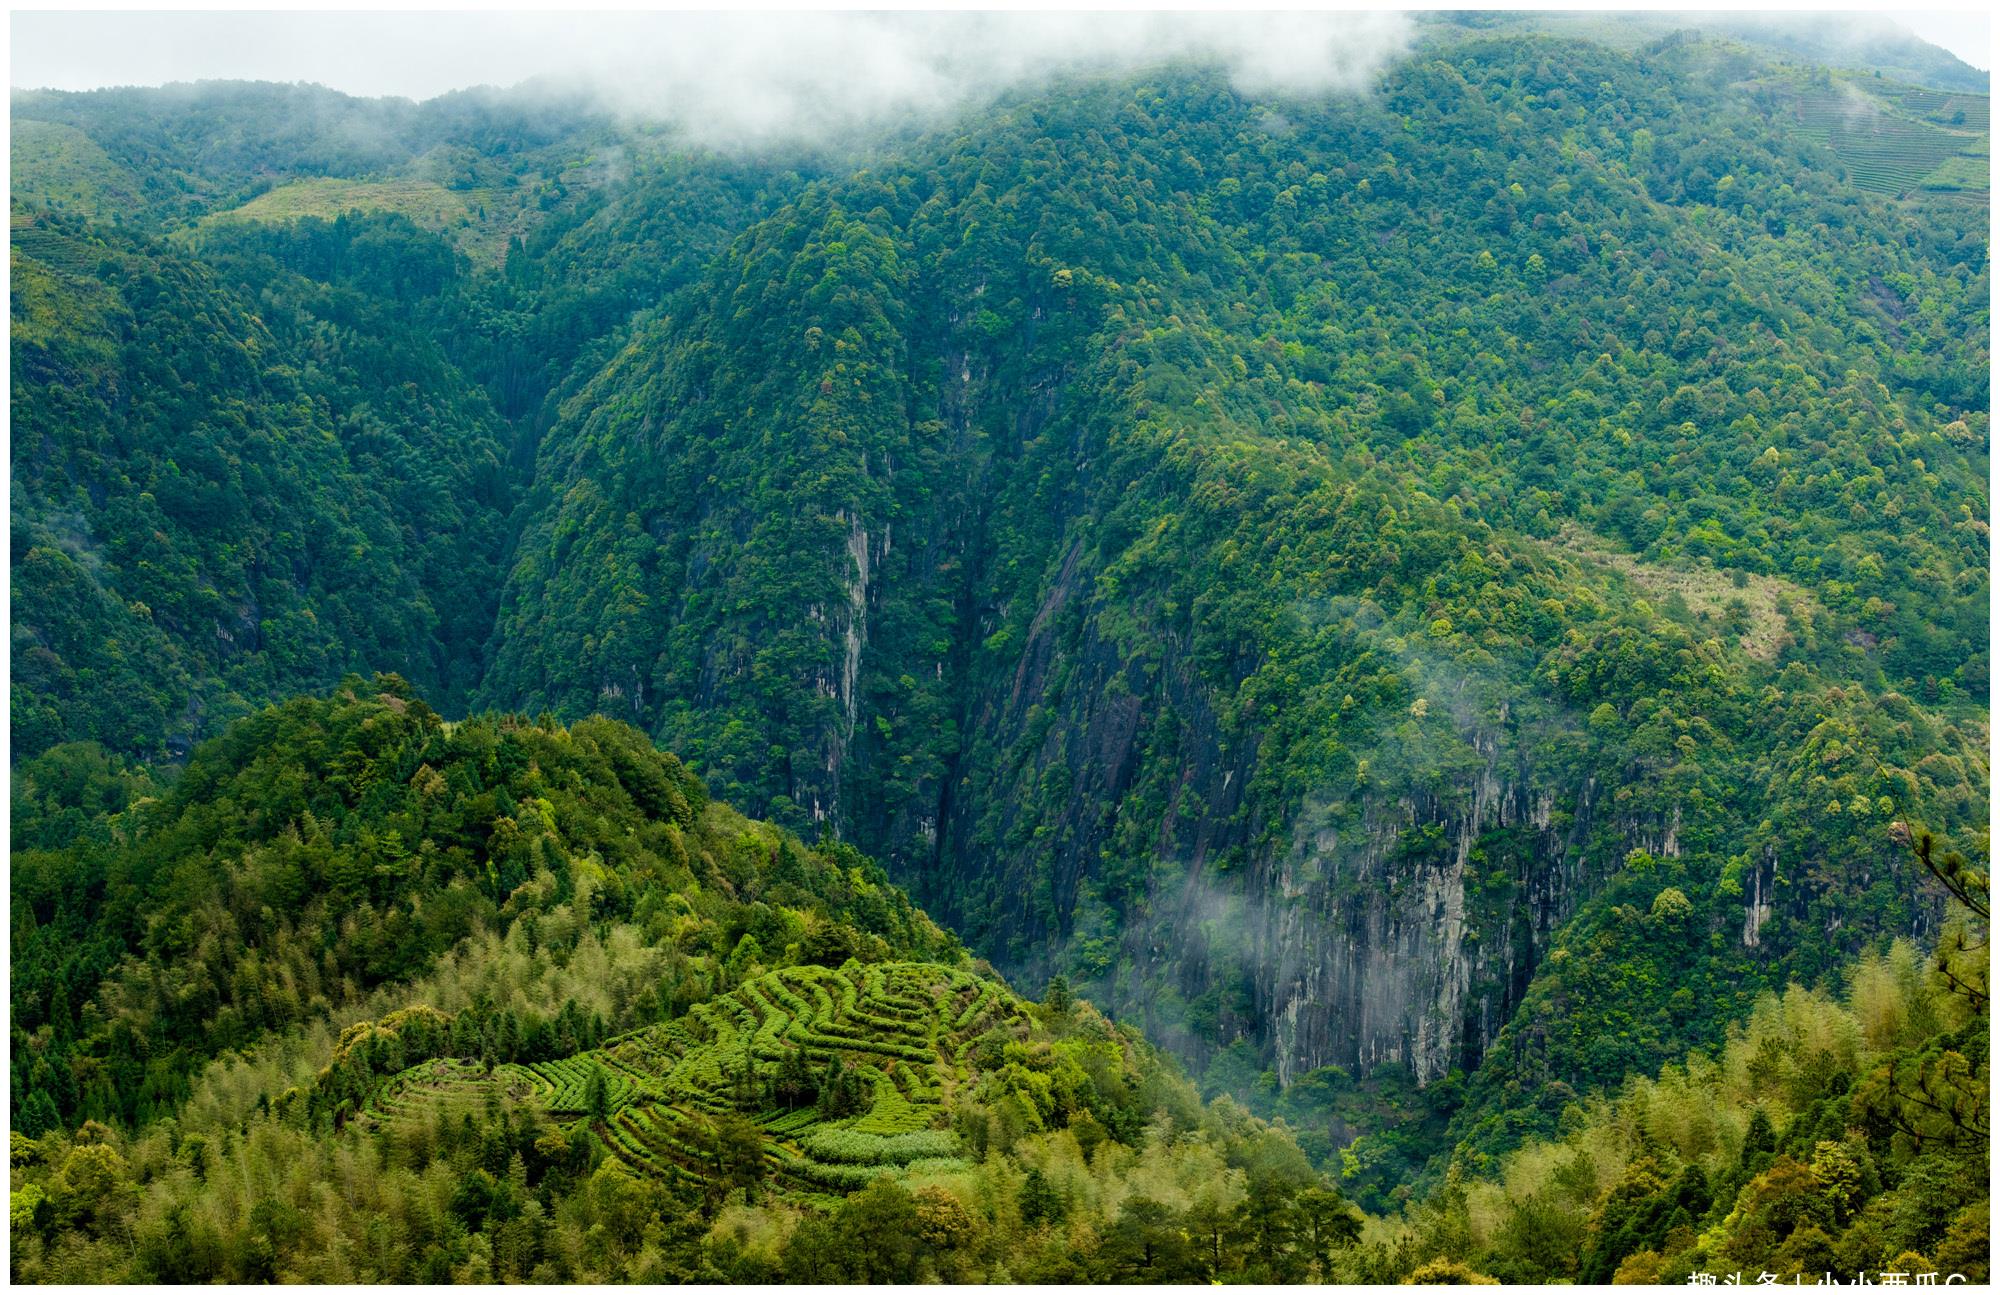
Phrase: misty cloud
pixel 741 79
pixel 809 74
pixel 759 77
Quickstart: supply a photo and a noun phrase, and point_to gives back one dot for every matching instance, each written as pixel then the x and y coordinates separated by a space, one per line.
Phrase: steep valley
pixel 1421 604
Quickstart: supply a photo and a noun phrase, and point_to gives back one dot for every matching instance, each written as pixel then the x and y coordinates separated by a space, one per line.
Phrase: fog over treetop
pixel 730 78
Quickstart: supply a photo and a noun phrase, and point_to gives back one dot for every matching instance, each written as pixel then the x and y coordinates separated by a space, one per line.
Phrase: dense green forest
pixel 1840 1134
pixel 382 997
pixel 385 998
pixel 1436 627
pixel 502 1000
pixel 1149 577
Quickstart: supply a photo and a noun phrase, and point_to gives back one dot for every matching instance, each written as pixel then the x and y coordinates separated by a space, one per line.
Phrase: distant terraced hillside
pixel 1899 140
pixel 844 1075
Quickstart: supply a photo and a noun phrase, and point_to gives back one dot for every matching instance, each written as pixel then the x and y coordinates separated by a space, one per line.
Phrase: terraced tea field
pixel 1954 109
pixel 1882 152
pixel 903 1031
pixel 53 248
pixel 447 1088
pixel 428 204
pixel 563 1087
pixel 1900 140
pixel 1772 603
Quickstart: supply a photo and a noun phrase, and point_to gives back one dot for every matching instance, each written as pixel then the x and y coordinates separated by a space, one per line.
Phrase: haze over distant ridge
pixel 748 78
pixel 730 78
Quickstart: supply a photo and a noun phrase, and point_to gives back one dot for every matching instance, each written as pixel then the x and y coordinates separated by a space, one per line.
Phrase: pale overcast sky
pixel 1968 35
pixel 424 54
pixel 910 55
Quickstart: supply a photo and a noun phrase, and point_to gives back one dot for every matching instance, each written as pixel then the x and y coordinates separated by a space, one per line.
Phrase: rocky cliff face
pixel 1107 822
pixel 1383 925
pixel 1384 953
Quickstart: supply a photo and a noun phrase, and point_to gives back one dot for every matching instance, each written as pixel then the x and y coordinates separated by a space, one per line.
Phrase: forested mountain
pixel 253 456
pixel 1123 521
pixel 1870 43
pixel 1428 605
pixel 221 497
pixel 147 155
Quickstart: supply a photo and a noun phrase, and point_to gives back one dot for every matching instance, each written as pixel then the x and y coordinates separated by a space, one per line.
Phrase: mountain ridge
pixel 1426 603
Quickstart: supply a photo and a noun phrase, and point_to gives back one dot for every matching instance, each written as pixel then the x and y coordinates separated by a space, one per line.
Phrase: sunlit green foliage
pixel 324 848
pixel 1806 1145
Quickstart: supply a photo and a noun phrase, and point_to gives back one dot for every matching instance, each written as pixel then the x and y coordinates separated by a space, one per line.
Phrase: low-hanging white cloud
pixel 756 77
pixel 742 78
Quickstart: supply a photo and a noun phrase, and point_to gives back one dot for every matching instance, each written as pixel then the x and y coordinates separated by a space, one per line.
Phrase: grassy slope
pixel 60 166
pixel 477 220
